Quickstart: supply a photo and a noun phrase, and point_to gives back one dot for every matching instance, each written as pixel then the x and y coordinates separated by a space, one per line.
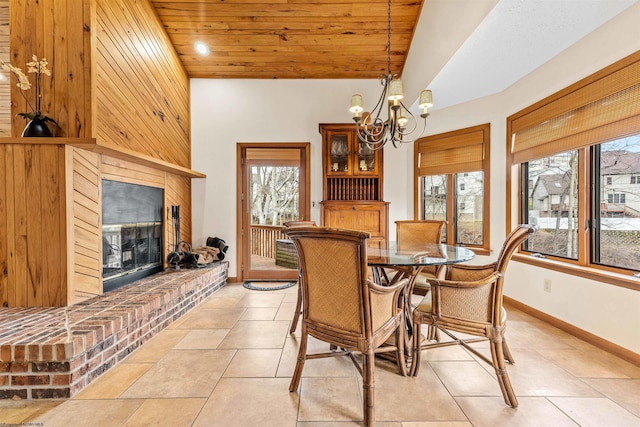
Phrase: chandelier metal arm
pixel 375 131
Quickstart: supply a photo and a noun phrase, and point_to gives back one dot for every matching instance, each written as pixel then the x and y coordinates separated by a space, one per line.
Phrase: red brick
pixel 61 379
pixel 19 352
pixel 47 352
pixel 30 380
pixel 5 353
pixel 18 367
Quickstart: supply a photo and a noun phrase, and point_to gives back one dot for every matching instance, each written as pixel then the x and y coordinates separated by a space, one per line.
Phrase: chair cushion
pixel 425 305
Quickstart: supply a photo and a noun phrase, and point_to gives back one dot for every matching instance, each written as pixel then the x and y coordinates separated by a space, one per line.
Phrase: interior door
pixel 274 188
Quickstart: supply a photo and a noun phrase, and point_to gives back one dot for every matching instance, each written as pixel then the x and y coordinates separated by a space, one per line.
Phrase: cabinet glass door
pixel 366 161
pixel 339 154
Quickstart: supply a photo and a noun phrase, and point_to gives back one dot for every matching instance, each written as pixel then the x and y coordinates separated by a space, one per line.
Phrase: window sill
pixel 622 280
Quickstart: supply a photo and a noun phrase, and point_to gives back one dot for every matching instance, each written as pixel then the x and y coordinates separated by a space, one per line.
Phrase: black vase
pixel 37 128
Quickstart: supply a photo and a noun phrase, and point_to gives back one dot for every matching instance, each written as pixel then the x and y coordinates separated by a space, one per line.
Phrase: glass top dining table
pixel 386 258
pixel 388 255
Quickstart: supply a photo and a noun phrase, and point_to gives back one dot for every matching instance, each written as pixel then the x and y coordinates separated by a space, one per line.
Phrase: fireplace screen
pixel 131 232
pixel 130 247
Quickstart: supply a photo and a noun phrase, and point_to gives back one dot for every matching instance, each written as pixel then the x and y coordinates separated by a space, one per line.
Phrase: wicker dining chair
pixel 343 307
pixel 469 301
pixel 411 235
pixel 296 314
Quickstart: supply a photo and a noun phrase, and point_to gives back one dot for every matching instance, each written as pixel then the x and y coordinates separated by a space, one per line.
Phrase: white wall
pixel 225 112
pixel 605 310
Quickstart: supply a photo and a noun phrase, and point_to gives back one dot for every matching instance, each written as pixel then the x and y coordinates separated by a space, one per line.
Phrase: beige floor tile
pixel 254 363
pixel 261 299
pixel 22 411
pixel 90 413
pixel 453 352
pixel 166 412
pixel 182 373
pixel 422 398
pixel 220 302
pixel 323 367
pixel 259 313
pixel 250 402
pixel 344 424
pixel 256 334
pixel 464 378
pixel 437 424
pixel 591 364
pixel 534 375
pixel 202 339
pixel 330 399
pixel 595 412
pixel 230 290
pixel 156 347
pixel 212 318
pixel 625 392
pixel 532 412
pixel 113 385
pixel 291 296
pixel 286 310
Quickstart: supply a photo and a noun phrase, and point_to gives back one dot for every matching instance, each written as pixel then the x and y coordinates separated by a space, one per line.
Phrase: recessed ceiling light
pixel 201 48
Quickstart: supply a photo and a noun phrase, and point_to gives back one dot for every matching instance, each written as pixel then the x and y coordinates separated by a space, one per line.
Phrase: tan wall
pixel 142 90
pixel 32 225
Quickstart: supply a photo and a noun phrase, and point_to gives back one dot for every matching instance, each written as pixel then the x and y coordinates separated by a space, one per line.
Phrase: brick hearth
pixel 51 353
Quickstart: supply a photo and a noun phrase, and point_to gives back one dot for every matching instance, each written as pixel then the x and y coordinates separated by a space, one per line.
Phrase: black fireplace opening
pixel 132 232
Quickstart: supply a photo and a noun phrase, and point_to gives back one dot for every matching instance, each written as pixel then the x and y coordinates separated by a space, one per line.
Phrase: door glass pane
pixel 274 199
pixel 434 199
pixel 552 204
pixel 469 207
pixel 618 236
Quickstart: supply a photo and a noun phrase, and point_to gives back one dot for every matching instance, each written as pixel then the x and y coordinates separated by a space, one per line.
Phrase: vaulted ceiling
pixel 289 38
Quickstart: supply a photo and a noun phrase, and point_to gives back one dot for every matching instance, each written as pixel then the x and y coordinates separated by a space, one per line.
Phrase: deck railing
pixel 263 239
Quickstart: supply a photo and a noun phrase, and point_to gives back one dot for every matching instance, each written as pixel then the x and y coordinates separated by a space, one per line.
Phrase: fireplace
pixel 132 227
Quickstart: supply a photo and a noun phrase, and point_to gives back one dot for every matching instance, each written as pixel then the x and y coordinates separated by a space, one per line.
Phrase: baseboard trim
pixel 592 339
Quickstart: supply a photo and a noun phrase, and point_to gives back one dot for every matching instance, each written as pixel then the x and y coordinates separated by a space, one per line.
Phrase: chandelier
pixel 400 124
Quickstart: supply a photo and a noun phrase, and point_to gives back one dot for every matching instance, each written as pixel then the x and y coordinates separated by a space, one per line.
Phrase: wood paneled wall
pixel 33 247
pixel 115 78
pixel 60 32
pixel 142 89
pixel 5 89
pixel 85 230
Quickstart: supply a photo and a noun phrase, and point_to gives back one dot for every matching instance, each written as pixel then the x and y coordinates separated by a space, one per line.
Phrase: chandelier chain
pixel 389 37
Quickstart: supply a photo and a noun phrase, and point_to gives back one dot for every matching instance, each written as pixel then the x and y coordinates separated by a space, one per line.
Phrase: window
pixel 577 154
pixel 450 181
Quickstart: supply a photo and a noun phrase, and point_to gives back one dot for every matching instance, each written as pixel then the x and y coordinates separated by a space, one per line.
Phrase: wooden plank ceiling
pixel 289 39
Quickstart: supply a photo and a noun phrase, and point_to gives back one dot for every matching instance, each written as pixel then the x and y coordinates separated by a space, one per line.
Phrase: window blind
pixel 602 107
pixel 453 152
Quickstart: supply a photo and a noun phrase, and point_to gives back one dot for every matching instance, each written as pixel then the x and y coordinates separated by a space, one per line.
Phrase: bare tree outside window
pixel 274 194
pixel 553 204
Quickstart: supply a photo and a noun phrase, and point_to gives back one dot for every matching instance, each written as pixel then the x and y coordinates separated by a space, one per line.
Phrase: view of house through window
pixel 552 204
pixel 617 230
pixel 451 184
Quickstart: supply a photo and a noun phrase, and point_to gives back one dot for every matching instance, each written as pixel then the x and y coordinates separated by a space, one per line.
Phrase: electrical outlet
pixel 547 285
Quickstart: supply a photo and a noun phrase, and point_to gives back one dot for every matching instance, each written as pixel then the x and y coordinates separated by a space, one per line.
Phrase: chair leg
pixel 507 353
pixel 368 387
pixel 497 356
pixel 296 314
pixel 417 351
pixel 302 353
pixel 400 349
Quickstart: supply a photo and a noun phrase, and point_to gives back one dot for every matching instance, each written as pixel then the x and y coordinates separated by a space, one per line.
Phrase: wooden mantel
pixel 90 144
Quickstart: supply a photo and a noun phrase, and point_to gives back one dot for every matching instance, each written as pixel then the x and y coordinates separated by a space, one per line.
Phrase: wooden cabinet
pixel 358 215
pixel 352 183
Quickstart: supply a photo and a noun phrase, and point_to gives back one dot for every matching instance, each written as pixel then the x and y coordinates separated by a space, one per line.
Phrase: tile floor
pixel 229 362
